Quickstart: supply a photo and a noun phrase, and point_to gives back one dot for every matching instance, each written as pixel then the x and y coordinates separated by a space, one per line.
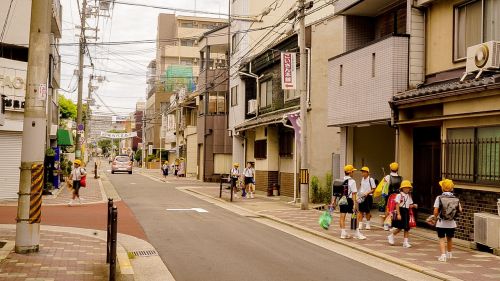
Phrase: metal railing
pixel 112 233
pixel 472 160
pixel 225 180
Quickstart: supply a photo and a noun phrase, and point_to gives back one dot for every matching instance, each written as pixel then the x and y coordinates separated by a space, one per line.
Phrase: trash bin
pixel 276 189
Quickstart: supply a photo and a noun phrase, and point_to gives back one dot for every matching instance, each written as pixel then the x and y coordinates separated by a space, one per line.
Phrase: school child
pixel 235 176
pixel 347 203
pixel 401 219
pixel 446 209
pixel 394 181
pixel 365 198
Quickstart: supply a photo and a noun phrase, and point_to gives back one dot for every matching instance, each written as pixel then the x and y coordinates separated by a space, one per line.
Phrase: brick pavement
pixel 63 257
pixel 466 264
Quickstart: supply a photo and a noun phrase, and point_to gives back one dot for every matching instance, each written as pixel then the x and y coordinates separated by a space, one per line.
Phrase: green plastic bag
pixel 325 219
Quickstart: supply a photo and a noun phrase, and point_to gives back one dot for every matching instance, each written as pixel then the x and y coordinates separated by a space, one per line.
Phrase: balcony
pixel 365 8
pixel 56 22
pixel 212 80
pixel 363 80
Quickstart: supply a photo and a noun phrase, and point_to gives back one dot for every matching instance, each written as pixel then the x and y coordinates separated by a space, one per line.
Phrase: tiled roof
pixel 270 118
pixel 437 90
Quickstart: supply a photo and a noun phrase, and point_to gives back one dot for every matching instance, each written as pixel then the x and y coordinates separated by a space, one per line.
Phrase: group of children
pixel 399 207
pixel 177 168
pixel 247 177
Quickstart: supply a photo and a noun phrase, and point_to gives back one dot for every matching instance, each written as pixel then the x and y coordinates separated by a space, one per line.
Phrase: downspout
pixel 295 158
pixel 308 77
pixel 257 78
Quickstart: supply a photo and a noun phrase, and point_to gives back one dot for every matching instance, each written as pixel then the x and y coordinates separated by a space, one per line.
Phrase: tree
pixel 67 108
pixel 138 155
pixel 105 145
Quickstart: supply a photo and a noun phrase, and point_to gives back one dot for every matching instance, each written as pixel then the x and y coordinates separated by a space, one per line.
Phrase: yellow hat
pixel 365 169
pixel 236 164
pixel 406 183
pixel 78 162
pixel 394 166
pixel 349 168
pixel 166 162
pixel 446 185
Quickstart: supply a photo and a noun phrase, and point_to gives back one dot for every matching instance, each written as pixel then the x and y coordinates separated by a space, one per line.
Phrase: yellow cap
pixel 166 162
pixel 365 169
pixel 394 166
pixel 78 162
pixel 349 168
pixel 406 183
pixel 446 185
pixel 236 164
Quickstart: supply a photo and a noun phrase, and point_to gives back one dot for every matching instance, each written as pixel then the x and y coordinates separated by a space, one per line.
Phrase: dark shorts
pixel 76 187
pixel 344 209
pixel 366 206
pixel 233 182
pixel 248 180
pixel 404 223
pixel 445 232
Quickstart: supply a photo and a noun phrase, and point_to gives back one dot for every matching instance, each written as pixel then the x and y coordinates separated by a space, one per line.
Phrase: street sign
pixel 42 91
pixel 304 176
pixel 80 127
pixel 82 140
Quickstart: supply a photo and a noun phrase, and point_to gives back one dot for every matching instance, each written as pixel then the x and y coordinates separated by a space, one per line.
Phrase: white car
pixel 121 163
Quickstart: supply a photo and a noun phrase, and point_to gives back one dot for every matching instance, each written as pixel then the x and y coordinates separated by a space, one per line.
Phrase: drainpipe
pixel 308 77
pixel 257 78
pixel 294 161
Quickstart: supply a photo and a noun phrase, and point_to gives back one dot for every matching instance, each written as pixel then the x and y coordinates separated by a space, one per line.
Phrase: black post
pixel 95 170
pixel 231 184
pixel 114 232
pixel 220 191
pixel 108 228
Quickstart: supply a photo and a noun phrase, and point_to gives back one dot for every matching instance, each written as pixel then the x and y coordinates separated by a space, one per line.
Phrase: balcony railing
pixel 366 79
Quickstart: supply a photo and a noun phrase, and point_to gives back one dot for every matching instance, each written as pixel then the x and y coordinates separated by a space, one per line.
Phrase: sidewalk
pixel 72 245
pixel 466 264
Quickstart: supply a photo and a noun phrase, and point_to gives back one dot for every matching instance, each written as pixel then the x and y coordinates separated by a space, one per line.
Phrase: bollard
pixel 108 238
pixel 95 170
pixel 114 233
pixel 220 191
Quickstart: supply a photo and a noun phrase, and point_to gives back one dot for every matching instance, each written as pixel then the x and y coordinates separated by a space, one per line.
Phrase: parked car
pixel 121 163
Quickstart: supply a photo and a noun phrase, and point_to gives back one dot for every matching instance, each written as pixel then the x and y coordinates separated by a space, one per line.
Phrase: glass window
pixel 188 24
pixel 235 43
pixel 217 103
pixel 476 22
pixel 234 95
pixel 266 93
pixel 187 42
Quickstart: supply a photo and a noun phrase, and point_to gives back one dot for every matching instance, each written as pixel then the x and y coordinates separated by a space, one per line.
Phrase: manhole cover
pixel 145 253
pixel 2 244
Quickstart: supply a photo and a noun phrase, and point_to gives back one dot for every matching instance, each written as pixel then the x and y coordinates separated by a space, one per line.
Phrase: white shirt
pixel 249 172
pixel 444 223
pixel 235 172
pixel 367 185
pixel 351 186
pixel 77 173
pixel 404 200
pixel 388 177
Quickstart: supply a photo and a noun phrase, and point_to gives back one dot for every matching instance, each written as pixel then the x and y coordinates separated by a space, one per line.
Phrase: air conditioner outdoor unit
pixel 252 106
pixel 487 230
pixel 482 57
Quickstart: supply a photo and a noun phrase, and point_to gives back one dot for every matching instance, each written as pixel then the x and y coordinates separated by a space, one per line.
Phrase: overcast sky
pixel 121 91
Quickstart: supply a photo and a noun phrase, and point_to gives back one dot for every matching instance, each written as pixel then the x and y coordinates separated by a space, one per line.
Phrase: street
pixel 221 245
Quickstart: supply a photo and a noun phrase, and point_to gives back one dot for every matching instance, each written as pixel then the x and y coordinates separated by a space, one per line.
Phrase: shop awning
pixel 64 138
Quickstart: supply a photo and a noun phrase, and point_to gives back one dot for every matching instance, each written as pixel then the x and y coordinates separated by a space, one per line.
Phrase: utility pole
pixel 34 126
pixel 143 138
pixel 87 120
pixel 304 160
pixel 78 150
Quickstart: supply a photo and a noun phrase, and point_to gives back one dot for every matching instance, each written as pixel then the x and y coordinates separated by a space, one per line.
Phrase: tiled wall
pixel 359 31
pixel 286 180
pixel 417 48
pixel 263 179
pixel 474 202
pixel 363 97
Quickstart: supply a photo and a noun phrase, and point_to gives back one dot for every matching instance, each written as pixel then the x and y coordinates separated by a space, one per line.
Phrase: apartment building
pixel 13 79
pixel 383 55
pixel 138 115
pixel 258 106
pixel 176 65
pixel 449 127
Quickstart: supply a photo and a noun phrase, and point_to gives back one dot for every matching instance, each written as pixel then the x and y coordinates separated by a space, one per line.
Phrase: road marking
pixel 199 210
pixel 132 183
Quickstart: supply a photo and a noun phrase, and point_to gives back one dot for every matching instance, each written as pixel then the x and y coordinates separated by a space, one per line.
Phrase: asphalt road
pixel 220 245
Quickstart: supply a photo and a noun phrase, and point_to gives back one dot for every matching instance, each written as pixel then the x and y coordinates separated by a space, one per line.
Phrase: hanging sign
pixel 288 71
pixel 118 135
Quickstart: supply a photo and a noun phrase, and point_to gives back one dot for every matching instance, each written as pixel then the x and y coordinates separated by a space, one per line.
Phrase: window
pixel 234 96
pixel 473 155
pixel 266 93
pixel 187 61
pixel 187 24
pixel 475 22
pixel 286 143
pixel 260 149
pixel 217 103
pixel 235 43
pixel 187 42
pixel 293 94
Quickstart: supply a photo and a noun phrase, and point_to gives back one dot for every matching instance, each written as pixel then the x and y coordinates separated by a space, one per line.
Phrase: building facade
pixel 449 127
pixel 13 79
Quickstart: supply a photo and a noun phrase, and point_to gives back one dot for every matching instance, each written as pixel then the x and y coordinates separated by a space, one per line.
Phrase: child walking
pixel 446 209
pixel 401 221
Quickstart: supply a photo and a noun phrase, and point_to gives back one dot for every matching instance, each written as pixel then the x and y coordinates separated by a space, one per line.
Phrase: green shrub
pixel 316 189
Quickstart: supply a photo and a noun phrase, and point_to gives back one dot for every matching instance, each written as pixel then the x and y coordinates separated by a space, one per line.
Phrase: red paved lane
pixel 91 216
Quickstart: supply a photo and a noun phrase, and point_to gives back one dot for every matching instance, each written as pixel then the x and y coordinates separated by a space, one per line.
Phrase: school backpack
pixel 449 207
pixel 394 183
pixel 340 188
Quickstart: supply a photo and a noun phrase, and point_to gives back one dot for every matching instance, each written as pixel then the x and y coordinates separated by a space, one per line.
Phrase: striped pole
pixel 36 193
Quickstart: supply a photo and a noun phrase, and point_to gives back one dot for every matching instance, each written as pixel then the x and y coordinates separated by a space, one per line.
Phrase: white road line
pixel 199 210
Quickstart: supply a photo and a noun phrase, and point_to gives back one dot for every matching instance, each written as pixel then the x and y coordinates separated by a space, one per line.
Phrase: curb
pixel 409 265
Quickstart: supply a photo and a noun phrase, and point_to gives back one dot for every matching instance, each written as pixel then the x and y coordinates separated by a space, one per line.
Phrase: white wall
pixel 18 25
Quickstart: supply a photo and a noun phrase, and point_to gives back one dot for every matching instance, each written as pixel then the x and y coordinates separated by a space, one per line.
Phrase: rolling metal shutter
pixel 10 161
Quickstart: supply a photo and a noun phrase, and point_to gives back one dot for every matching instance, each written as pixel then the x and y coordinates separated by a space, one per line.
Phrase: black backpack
pixel 394 183
pixel 340 188
pixel 449 207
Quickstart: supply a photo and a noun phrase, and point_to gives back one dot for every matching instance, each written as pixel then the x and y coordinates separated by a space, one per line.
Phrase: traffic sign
pixel 80 127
